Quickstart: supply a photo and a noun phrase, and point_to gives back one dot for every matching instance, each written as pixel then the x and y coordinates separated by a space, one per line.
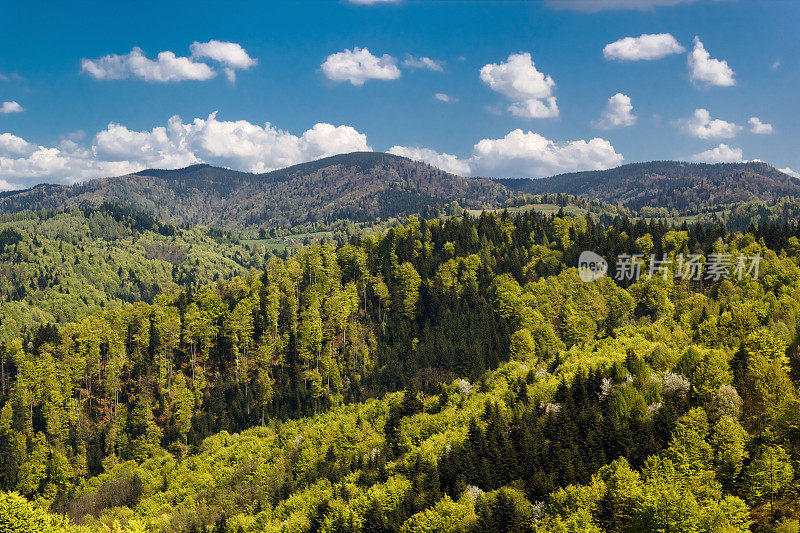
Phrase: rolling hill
pixel 686 187
pixel 372 186
pixel 361 186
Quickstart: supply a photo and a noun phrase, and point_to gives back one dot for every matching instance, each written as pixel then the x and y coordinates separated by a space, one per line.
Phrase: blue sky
pixel 76 102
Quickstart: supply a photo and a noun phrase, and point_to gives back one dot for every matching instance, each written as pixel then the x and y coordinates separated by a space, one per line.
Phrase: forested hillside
pixel 448 374
pixel 671 187
pixel 369 187
pixel 360 187
pixel 56 267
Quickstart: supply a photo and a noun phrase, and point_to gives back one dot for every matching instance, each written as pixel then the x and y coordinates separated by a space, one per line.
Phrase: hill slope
pixel 686 187
pixel 57 267
pixel 358 186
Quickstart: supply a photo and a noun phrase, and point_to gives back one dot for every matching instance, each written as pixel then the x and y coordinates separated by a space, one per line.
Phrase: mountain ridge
pixel 678 185
pixel 368 186
pixel 360 186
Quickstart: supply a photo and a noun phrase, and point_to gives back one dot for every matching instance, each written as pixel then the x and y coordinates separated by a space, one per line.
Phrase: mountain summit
pixel 368 186
pixel 359 186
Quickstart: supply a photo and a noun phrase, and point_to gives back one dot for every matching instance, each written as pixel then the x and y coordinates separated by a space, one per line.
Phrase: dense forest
pixel 447 374
pixel 56 267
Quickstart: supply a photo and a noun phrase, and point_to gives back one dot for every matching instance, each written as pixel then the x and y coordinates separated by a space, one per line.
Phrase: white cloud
pixel 373 2
pixel 721 154
pixel 68 163
pixel 442 97
pixel 644 47
pixel 118 150
pixel 11 145
pixel 529 90
pixel 167 67
pixel 424 63
pixel 776 64
pixel 790 172
pixel 444 161
pixel 10 107
pixel 9 186
pixel 528 154
pixel 703 70
pixel 701 126
pixel 758 127
pixel 359 65
pixel 617 114
pixel 521 154
pixel 231 55
pixel 593 6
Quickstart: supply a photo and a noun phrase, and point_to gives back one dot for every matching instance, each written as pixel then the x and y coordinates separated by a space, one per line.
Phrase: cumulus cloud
pixel 530 91
pixel 617 114
pixel 231 55
pixel 706 71
pixel 10 107
pixel 67 162
pixel 425 63
pixel 790 172
pixel 168 67
pixel 442 97
pixel 118 150
pixel 644 47
pixel 721 154
pixel 521 154
pixel 528 154
pixel 359 65
pixel 11 145
pixel 444 161
pixel 594 6
pixel 701 126
pixel 9 186
pixel 758 127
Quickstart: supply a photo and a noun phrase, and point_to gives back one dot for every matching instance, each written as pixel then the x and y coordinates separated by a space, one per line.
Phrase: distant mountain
pixel 685 187
pixel 360 186
pixel 366 186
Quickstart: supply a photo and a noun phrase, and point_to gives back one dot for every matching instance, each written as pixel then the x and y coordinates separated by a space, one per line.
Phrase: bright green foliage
pixel 408 282
pixel 728 440
pixel 533 401
pixel 69 264
pixel 522 345
pixel 765 343
pixel 446 516
pixel 18 515
pixel 768 475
